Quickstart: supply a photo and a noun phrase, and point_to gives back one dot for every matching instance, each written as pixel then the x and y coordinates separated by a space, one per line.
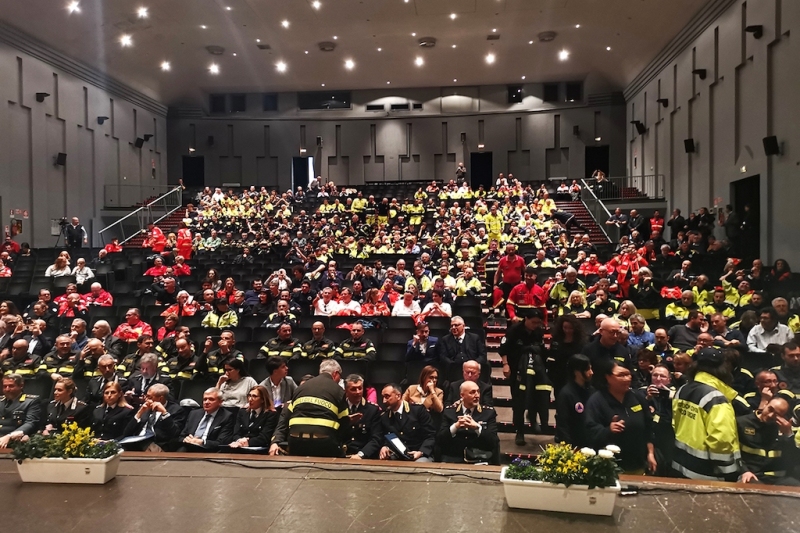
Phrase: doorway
pixel 302 172
pixel 480 170
pixel 194 171
pixel 746 201
pixel 597 158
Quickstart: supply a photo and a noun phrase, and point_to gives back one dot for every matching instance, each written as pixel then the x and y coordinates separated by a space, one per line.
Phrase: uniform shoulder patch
pixel 750 431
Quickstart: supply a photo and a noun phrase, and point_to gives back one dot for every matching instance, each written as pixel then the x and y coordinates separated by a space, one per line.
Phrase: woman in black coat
pixel 256 423
pixel 110 418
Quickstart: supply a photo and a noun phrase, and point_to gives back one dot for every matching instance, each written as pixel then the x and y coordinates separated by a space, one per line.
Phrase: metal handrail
pixel 651 186
pixel 142 216
pixel 600 223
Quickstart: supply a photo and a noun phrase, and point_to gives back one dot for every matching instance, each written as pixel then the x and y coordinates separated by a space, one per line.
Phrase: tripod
pixel 61 233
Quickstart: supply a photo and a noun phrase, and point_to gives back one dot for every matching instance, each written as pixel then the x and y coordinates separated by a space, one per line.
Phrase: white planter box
pixel 57 470
pixel 541 496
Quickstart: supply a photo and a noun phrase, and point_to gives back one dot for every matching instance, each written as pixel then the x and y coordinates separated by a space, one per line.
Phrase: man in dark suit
pixel 468 429
pixel 364 436
pixel 158 422
pixel 676 223
pixel 411 424
pixel 113 345
pixel 280 386
pixel 107 368
pixel 458 346
pixel 422 346
pixel 144 378
pixel 471 371
pixel 209 428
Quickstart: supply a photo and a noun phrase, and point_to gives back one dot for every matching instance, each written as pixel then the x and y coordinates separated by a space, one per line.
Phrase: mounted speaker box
pixel 211 140
pixel 688 145
pixel 771 146
pixel 139 142
pixel 61 159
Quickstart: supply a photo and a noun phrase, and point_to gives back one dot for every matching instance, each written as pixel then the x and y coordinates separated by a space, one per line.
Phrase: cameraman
pixel 75 233
pixel 520 351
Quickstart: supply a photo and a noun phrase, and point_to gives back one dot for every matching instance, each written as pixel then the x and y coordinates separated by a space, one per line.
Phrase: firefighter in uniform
pixel 319 347
pixel 284 345
pixel 706 439
pixel 20 414
pixel 62 361
pixel 130 363
pixel 316 420
pixel 523 366
pixel 213 362
pixel 766 439
pixel 357 347
pixel 20 362
pixel 184 365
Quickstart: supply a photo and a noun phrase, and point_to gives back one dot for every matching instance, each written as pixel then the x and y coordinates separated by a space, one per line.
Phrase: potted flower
pixel 564 479
pixel 71 456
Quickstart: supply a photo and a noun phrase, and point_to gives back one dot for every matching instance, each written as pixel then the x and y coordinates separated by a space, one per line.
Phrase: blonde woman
pixel 576 305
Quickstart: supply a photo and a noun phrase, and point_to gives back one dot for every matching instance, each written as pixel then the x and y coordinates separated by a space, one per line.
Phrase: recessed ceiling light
pixel 213 68
pixel 285 23
pixel 228 8
pixel 490 58
pixel 349 64
pixel 316 4
pixel 322 84
pixel 563 55
pixel 380 49
pixel 454 46
pixel 523 77
pixel 530 42
pixel 388 83
pixel 419 61
pixel 608 48
pixel 577 25
pixel 413 34
pixel 126 40
pixel 203 26
pixel 280 66
pixel 406 1
pixel 74 7
pixel 306 51
pixel 234 54
pixel 455 79
pixel 335 37
pixel 452 16
pixel 494 30
pixel 165 66
pixel 142 12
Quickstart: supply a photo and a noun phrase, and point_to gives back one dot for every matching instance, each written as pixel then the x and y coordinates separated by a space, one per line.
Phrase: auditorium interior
pixel 496 224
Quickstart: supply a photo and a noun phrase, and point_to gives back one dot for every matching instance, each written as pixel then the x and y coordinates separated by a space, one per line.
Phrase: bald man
pixel 469 430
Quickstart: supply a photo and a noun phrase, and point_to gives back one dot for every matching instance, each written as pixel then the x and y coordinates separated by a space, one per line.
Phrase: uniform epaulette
pixel 746 372
pixel 749 395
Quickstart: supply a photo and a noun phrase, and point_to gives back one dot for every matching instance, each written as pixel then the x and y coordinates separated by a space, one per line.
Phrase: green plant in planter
pixel 73 442
pixel 563 465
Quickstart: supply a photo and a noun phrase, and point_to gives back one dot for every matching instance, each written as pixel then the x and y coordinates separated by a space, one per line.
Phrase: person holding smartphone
pixel 658 396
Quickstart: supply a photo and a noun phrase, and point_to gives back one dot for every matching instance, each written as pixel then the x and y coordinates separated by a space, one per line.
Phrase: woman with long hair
pixel 110 418
pixel 256 422
pixel 569 338
pixel 426 393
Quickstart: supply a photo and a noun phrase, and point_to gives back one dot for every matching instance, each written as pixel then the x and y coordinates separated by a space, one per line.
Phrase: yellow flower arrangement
pixel 72 442
pixel 562 464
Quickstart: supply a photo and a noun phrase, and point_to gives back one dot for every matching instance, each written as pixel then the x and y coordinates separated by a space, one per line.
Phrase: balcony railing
pixel 130 196
pixel 649 187
pixel 134 222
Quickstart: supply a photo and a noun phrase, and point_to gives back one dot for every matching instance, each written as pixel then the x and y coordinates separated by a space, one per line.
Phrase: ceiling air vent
pixel 327 46
pixel 215 50
pixel 546 36
pixel 493 37
pixel 427 42
pixel 264 46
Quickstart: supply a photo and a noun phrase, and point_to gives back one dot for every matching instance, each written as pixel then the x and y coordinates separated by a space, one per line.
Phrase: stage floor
pixel 172 496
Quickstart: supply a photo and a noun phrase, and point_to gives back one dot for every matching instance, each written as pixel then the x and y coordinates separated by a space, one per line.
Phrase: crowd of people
pixel 632 340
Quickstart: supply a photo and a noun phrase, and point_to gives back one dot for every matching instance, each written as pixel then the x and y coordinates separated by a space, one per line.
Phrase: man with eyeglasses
pixel 606 348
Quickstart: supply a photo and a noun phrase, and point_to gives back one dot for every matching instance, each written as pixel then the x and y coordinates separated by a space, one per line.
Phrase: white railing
pixel 134 222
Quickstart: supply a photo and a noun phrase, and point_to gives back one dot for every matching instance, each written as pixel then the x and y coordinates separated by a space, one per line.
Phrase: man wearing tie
pixel 467 428
pixel 364 435
pixel 209 428
pixel 107 370
pixel 147 376
pixel 158 421
pixel 422 346
pixel 458 346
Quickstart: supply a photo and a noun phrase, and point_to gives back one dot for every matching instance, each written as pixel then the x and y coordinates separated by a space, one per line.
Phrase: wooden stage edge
pixel 478 472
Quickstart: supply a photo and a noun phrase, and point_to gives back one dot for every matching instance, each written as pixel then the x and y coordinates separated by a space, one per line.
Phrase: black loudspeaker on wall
pixel 771 146
pixel 61 159
pixel 319 140
pixel 139 142
pixel 688 145
pixel 641 129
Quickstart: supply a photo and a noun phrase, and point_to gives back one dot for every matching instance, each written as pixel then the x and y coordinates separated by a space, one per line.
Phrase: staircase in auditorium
pixel 596 235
